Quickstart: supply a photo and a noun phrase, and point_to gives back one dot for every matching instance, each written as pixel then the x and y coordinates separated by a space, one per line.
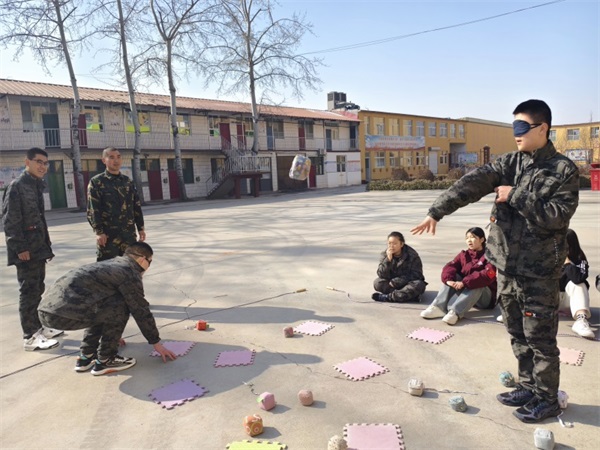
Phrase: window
pixel 367 125
pixel 461 131
pixel 393 160
pixel 443 130
pixel 93 118
pixel 319 164
pixel 552 136
pixel 277 127
pixel 452 130
pixel 379 159
pixel 183 123
pixel 409 161
pixel 573 134
pixel 420 128
pixel 309 129
pixel 187 166
pixel 408 131
pixel 420 159
pixel 394 126
pixel 432 130
pixel 144 119
pixel 444 158
pixel 594 132
pixel 379 126
pixel 213 126
pixel 340 163
pixel 249 127
pixel 32 114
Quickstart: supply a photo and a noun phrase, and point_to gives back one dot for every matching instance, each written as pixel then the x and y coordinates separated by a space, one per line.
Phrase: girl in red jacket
pixel 469 278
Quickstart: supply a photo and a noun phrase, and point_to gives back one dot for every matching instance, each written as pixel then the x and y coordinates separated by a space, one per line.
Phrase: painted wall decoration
pixel 578 155
pixel 7 174
pixel 4 114
pixel 376 142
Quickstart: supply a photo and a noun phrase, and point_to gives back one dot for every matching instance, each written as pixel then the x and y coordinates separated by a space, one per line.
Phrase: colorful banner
pixel 578 155
pixel 375 142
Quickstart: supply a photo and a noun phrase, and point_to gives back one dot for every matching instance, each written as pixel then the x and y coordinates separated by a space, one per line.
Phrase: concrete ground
pixel 238 264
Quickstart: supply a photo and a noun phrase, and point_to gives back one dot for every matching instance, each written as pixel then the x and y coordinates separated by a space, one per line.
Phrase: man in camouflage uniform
pixel 99 297
pixel 537 193
pixel 28 246
pixel 114 209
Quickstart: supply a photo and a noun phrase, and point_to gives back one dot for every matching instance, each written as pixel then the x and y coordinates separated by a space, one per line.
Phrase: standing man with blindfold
pixel 537 193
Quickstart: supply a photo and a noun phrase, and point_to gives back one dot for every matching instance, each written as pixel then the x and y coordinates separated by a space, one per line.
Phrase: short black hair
pixel 476 231
pixel 396 234
pixel 139 249
pixel 35 151
pixel 538 110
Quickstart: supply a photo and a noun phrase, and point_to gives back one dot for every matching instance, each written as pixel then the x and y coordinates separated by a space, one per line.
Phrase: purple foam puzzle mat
pixel 571 356
pixel 374 436
pixel 255 445
pixel 430 335
pixel 360 368
pixel 313 328
pixel 180 348
pixel 235 358
pixel 177 393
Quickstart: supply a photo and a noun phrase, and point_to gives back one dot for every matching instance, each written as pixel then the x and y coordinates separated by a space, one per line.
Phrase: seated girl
pixel 574 287
pixel 469 280
pixel 400 273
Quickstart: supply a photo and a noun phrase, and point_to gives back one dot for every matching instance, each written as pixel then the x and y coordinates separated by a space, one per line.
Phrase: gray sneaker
pixel 39 342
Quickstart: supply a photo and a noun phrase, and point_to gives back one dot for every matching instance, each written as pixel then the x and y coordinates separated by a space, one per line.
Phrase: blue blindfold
pixel 520 127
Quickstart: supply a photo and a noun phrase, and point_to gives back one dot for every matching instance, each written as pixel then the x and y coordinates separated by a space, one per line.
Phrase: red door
pixel 173 185
pixel 301 139
pixel 225 136
pixel 155 185
pixel 241 137
pixel 312 176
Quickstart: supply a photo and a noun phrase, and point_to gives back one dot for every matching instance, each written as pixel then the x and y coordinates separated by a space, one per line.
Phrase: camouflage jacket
pixel 527 232
pixel 401 269
pixel 24 221
pixel 113 205
pixel 81 292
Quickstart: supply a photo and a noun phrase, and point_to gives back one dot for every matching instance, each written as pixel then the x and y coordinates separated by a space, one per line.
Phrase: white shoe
pixel 432 312
pixel 451 318
pixel 500 319
pixel 39 342
pixel 582 328
pixel 50 333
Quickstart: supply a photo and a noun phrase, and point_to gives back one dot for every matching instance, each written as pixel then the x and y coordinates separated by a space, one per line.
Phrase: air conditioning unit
pixel 321 152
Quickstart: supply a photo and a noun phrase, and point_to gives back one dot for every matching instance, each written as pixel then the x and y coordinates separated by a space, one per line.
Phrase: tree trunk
pixel 174 128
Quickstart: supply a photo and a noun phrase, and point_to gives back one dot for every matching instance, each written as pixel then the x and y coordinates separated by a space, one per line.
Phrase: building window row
pixel 418 130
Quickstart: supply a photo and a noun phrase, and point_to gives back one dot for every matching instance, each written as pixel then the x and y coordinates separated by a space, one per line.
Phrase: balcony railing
pixel 238 165
pixel 60 138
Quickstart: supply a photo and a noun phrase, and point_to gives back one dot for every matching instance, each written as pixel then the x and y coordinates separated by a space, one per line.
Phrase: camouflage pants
pixel 530 310
pixel 103 330
pixel 410 292
pixel 116 244
pixel 30 275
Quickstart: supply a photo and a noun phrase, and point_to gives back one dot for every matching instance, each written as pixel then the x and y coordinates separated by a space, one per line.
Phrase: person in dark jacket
pixel 100 297
pixel 29 247
pixel 469 279
pixel 537 193
pixel 574 288
pixel 400 273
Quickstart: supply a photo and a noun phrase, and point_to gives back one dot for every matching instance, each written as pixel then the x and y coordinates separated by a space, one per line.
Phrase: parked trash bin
pixel 595 176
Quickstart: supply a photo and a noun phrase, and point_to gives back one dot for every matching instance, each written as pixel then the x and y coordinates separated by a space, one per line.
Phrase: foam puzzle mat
pixel 255 445
pixel 360 368
pixel 235 358
pixel 375 436
pixel 430 335
pixel 177 393
pixel 313 328
pixel 571 356
pixel 180 348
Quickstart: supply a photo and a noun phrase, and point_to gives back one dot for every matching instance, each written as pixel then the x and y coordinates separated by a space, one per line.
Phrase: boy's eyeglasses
pixel 41 162
pixel 521 127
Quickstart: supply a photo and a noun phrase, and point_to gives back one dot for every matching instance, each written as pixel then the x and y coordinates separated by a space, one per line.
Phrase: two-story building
pixel 215 139
pixel 580 141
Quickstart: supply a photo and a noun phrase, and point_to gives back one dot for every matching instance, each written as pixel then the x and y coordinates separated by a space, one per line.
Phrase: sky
pixel 481 70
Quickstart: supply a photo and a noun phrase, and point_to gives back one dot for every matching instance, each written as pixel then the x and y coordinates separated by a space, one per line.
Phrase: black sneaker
pixel 85 362
pixel 517 397
pixel 380 297
pixel 537 410
pixel 114 364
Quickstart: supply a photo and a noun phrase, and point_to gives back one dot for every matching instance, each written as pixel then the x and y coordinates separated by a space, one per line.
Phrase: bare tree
pixel 256 54
pixel 50 29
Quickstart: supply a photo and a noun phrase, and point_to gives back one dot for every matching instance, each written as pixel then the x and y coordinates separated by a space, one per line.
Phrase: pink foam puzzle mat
pixel 430 335
pixel 360 368
pixel 180 348
pixel 377 436
pixel 177 393
pixel 313 328
pixel 235 358
pixel 255 445
pixel 571 356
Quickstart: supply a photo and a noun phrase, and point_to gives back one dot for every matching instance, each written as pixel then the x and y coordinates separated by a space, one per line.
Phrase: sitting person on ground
pixel 469 280
pixel 400 273
pixel 574 288
pixel 99 297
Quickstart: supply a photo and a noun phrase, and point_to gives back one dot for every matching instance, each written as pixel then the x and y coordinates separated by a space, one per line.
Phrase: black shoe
pixel 537 410
pixel 85 362
pixel 517 397
pixel 114 364
pixel 381 297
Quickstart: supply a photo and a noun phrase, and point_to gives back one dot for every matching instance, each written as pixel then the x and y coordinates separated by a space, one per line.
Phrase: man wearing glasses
pixel 537 193
pixel 99 297
pixel 28 246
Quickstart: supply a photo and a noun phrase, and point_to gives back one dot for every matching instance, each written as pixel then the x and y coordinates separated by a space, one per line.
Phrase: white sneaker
pixel 500 319
pixel 39 342
pixel 582 328
pixel 50 333
pixel 432 312
pixel 451 318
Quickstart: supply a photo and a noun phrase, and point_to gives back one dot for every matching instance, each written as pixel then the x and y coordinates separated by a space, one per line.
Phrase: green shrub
pixel 414 185
pixel 400 174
